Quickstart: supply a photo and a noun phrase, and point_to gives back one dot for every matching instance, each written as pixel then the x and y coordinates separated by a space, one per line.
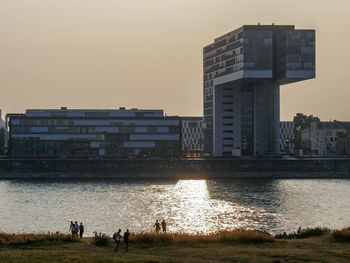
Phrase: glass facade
pixel 242 74
pixel 130 133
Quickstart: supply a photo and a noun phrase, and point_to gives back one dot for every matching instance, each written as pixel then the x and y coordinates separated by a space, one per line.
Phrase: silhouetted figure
pixel 72 228
pixel 116 238
pixel 284 235
pixel 157 226
pixel 299 230
pixel 76 226
pixel 81 230
pixel 126 240
pixel 163 226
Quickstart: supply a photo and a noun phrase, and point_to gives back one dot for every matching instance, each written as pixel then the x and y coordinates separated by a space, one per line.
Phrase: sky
pixel 148 53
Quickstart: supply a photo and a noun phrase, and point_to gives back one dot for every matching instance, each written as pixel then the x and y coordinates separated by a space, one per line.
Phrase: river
pixel 192 206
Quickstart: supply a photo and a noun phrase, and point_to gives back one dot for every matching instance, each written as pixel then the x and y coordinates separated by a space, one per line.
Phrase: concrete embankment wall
pixel 209 168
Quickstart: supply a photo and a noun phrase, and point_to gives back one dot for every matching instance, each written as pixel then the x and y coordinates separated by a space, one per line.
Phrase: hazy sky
pixel 148 53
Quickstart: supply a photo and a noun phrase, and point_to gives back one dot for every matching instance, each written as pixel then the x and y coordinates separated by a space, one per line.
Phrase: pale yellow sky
pixel 148 53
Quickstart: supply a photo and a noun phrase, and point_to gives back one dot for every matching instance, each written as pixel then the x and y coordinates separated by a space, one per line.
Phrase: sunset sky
pixel 148 53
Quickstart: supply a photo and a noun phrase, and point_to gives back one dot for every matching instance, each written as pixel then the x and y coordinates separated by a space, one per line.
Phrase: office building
pixel 286 137
pixel 343 145
pixel 67 133
pixel 320 139
pixel 192 136
pixel 243 71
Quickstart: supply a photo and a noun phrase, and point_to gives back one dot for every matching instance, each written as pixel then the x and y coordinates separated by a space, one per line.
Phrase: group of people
pixel 298 232
pixel 157 225
pixel 117 236
pixel 75 228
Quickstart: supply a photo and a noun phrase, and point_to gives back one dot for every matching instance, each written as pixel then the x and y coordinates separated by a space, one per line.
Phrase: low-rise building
pixel 286 137
pixel 321 137
pixel 192 136
pixel 343 145
pixel 66 133
pixel 2 135
pixel 2 123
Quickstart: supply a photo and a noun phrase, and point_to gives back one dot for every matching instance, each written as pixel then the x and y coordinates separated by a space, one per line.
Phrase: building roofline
pixel 191 118
pixel 256 27
pixel 98 110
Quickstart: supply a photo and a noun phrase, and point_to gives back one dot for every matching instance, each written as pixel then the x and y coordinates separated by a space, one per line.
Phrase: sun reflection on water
pixel 196 211
pixel 187 205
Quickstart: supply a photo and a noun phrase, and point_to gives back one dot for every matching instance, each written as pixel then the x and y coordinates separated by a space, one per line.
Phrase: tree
pixel 301 122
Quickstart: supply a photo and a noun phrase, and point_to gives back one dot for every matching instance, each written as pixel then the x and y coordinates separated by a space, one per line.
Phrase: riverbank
pixel 316 249
pixel 174 169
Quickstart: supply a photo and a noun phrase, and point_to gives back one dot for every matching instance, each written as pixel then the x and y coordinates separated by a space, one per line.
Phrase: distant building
pixel 2 135
pixel 67 133
pixel 2 123
pixel 242 74
pixel 192 136
pixel 321 137
pixel 343 145
pixel 286 137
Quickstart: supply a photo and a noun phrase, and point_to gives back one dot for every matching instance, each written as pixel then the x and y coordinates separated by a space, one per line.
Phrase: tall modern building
pixel 242 74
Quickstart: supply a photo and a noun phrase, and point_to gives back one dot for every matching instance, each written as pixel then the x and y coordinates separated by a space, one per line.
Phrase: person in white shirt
pixel 72 228
pixel 116 238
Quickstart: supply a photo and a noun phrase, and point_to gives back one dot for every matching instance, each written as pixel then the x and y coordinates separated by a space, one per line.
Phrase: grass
pixel 101 239
pixel 315 249
pixel 306 233
pixel 23 239
pixel 238 235
pixel 341 235
pixel 227 246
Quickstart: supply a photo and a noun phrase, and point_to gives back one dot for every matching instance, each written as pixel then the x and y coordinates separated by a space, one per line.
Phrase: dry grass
pixel 306 233
pixel 238 235
pixel 341 235
pixel 101 239
pixel 228 246
pixel 316 249
pixel 22 239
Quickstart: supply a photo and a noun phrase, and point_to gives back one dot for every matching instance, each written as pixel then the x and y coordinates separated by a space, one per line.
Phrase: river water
pixel 273 205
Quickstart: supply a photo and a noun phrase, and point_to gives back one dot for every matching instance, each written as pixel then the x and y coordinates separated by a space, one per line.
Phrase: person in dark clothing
pixel 157 226
pixel 81 230
pixel 163 226
pixel 126 240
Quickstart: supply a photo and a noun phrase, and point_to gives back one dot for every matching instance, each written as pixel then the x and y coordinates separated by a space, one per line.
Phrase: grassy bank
pixel 229 246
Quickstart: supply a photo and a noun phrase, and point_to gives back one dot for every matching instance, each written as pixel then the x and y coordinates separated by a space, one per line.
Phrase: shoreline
pixel 174 169
pixel 172 175
pixel 311 249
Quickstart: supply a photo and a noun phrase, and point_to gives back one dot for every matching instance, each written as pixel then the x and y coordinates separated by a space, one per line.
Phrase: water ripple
pixel 190 206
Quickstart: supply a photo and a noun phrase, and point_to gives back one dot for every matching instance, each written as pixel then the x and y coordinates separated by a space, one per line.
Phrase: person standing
pixel 157 226
pixel 72 228
pixel 299 230
pixel 163 226
pixel 81 229
pixel 76 228
pixel 126 240
pixel 116 238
